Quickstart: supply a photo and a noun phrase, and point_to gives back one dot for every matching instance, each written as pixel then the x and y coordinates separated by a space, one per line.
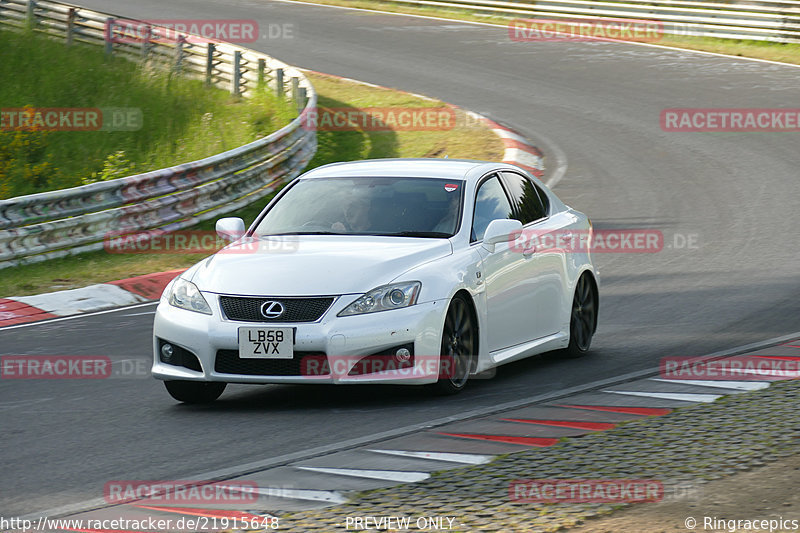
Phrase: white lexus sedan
pixel 393 271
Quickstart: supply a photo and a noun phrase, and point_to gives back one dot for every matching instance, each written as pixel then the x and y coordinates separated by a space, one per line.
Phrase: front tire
pixel 459 342
pixel 196 392
pixel 583 318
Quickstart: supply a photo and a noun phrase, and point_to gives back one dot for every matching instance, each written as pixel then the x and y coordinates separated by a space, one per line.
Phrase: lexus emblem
pixel 272 309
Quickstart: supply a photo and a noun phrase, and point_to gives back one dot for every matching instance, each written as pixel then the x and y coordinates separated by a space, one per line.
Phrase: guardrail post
pixel 148 31
pixel 787 21
pixel 237 73
pixel 301 103
pixel 109 36
pixel 296 91
pixel 178 66
pixel 70 25
pixel 262 67
pixel 279 82
pixel 210 63
pixel 31 14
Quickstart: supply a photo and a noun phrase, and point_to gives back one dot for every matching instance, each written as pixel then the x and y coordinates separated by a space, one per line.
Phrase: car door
pixel 544 262
pixel 503 271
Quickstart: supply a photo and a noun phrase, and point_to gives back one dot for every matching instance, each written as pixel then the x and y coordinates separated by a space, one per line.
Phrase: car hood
pixel 310 265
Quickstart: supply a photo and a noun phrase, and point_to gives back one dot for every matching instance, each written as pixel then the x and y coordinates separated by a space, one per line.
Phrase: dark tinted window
pixel 527 199
pixel 490 203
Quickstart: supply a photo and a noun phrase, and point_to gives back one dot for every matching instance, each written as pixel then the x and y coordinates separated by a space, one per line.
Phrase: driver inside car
pixel 356 217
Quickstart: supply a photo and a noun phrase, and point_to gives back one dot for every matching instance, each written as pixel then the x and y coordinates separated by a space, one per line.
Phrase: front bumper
pixel 342 341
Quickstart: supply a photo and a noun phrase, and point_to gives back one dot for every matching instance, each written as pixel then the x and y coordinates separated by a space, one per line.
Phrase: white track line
pixel 464 458
pixel 696 398
pixel 736 385
pixel 387 475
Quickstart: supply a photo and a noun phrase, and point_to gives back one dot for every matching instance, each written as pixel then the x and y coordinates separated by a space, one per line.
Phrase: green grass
pixel 783 52
pixel 182 119
pixel 472 141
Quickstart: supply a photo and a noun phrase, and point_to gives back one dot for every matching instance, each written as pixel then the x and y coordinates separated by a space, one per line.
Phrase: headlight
pixel 185 295
pixel 385 297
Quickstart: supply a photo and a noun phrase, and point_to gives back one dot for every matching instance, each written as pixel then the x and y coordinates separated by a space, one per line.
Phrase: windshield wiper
pixel 302 233
pixel 425 234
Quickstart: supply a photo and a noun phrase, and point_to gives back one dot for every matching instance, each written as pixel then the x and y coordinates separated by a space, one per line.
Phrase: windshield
pixel 409 207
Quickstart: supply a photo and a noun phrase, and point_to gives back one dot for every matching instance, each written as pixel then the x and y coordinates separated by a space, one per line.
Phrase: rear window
pixel 528 201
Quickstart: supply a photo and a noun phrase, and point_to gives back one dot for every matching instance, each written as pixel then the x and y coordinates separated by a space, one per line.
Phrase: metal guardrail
pixel 70 221
pixel 761 20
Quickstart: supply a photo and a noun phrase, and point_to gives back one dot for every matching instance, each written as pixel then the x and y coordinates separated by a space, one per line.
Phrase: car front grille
pixel 248 309
pixel 229 362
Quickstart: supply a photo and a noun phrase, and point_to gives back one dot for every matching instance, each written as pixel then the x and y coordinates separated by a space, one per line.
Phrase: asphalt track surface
pixel 596 103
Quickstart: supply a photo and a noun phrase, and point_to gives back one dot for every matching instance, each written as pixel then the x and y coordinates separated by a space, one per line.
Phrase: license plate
pixel 266 343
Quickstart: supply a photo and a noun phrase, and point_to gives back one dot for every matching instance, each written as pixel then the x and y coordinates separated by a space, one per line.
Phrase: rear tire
pixel 459 342
pixel 196 392
pixel 583 319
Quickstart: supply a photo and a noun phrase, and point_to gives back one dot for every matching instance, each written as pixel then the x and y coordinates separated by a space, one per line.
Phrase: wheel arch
pixel 476 320
pixel 595 290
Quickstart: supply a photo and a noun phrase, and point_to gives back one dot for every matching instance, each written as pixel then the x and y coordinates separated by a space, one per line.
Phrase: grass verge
pixel 466 140
pixel 182 120
pixel 783 52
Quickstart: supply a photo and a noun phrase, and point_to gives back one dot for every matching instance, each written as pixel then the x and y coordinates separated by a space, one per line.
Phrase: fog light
pixel 402 354
pixel 166 352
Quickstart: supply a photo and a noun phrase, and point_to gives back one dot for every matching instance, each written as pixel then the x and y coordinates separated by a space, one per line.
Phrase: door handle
pixel 527 252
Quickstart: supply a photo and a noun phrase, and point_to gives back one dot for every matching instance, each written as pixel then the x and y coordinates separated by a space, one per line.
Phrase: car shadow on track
pixel 509 382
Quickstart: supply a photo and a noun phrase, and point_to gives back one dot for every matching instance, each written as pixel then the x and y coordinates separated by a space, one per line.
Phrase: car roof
pixel 462 169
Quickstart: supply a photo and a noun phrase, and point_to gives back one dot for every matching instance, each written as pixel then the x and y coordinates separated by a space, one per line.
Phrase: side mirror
pixel 500 230
pixel 230 229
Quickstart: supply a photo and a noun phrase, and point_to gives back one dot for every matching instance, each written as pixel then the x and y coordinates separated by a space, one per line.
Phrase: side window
pixel 490 203
pixel 527 199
